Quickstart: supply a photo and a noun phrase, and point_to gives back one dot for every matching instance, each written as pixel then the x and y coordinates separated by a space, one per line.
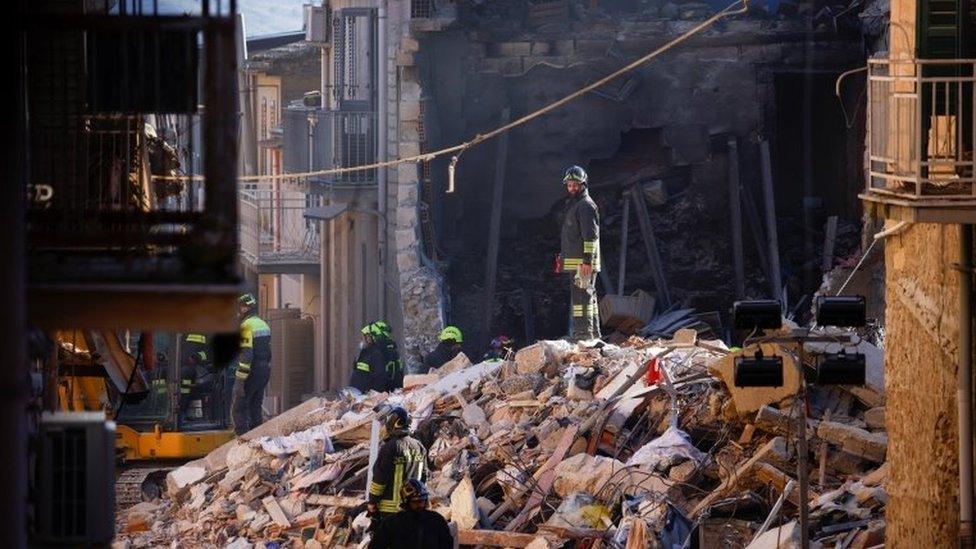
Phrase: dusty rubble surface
pixel 528 454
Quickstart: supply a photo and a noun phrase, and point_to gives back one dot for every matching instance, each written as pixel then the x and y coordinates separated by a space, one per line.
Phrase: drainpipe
pixel 965 389
pixel 381 122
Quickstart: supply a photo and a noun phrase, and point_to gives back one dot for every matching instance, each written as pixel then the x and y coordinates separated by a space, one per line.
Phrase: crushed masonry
pixel 517 462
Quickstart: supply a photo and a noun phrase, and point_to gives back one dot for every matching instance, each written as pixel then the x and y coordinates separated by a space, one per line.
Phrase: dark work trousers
pixel 247 411
pixel 584 311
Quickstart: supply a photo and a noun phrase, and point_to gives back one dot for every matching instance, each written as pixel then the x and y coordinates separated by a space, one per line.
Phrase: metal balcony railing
pixel 920 129
pixel 124 102
pixel 274 235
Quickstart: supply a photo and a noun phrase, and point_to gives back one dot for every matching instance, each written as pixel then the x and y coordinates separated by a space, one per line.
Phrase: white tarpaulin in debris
pixel 674 442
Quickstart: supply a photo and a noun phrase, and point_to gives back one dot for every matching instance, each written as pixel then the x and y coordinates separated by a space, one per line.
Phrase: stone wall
pixel 920 381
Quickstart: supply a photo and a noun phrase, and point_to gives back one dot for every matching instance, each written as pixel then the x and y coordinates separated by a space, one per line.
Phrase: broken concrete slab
pixel 532 359
pixel 464 505
pixel 875 418
pixel 854 440
pixel 181 477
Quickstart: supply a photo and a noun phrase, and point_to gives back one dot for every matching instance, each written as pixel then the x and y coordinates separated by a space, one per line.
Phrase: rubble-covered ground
pixel 646 444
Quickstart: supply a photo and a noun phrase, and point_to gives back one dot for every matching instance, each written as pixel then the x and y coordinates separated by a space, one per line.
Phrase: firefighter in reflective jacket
pixel 370 371
pixel 391 355
pixel 400 458
pixel 580 254
pixel 253 367
pixel 196 373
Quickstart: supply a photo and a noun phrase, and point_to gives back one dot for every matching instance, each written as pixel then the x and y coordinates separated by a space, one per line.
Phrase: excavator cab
pixel 168 407
pixel 186 411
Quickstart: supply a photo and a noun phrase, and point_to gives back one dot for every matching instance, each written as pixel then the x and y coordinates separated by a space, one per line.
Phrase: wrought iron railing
pixel 124 102
pixel 274 233
pixel 920 128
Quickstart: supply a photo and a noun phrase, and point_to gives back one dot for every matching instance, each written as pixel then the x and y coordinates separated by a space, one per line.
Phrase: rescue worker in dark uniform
pixel 253 367
pixel 391 355
pixel 370 371
pixel 400 459
pixel 196 372
pixel 447 348
pixel 580 255
pixel 500 348
pixel 415 526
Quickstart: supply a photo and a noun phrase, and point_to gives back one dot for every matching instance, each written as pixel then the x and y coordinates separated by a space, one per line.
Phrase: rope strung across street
pixel 729 11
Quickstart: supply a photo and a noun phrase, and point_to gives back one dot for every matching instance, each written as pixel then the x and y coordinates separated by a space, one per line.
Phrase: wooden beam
pixel 494 538
pixel 624 233
pixel 650 245
pixel 546 475
pixel 494 230
pixel 830 237
pixel 755 227
pixel 769 201
pixel 735 218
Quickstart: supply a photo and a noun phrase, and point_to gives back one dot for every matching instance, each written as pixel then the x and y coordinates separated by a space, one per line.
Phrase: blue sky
pixel 260 16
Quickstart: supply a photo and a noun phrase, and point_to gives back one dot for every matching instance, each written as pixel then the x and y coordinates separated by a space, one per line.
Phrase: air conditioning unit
pixel 316 24
pixel 74 488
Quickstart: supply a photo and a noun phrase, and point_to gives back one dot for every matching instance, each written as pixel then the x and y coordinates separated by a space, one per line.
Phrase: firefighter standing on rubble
pixel 447 348
pixel 580 255
pixel 378 367
pixel 401 458
pixel 415 526
pixel 253 367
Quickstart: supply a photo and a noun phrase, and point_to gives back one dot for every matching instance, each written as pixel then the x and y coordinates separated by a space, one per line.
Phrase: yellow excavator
pixel 167 408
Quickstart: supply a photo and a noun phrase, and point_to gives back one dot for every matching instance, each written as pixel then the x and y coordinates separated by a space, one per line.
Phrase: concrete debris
pixel 516 462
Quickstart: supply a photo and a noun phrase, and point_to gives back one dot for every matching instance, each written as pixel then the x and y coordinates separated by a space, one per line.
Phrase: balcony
pixel 275 237
pixel 339 139
pixel 127 124
pixel 920 140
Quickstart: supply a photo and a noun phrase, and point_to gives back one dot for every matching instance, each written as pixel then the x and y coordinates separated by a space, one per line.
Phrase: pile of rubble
pixel 644 444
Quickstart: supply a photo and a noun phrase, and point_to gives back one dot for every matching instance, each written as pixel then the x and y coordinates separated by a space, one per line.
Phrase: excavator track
pixel 143 482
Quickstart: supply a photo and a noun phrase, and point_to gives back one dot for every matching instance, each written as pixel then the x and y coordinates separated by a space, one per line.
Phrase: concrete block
pixel 533 358
pixel 409 109
pixel 409 43
pixel 410 90
pixel 510 49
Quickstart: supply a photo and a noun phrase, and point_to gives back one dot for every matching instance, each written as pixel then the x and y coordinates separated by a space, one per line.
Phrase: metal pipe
pixel 382 67
pixel 965 388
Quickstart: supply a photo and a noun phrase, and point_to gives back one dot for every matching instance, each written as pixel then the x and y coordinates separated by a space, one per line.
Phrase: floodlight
pixel 759 371
pixel 847 310
pixel 841 369
pixel 764 314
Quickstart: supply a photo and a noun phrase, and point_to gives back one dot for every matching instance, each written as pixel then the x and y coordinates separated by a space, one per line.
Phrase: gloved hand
pixel 371 509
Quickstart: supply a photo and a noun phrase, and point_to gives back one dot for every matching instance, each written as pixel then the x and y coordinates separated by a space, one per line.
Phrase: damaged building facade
pixel 668 131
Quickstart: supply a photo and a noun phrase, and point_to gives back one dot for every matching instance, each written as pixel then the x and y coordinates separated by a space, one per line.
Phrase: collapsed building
pixel 658 448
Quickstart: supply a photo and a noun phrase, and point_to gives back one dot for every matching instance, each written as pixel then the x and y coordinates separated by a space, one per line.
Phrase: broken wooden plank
pixel 854 440
pixel 312 517
pixel 738 475
pixel 769 203
pixel 277 515
pixel 650 246
pixel 494 538
pixel 546 478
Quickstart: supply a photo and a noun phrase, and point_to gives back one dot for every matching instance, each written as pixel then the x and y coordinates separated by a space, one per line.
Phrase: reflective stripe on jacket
pixel 400 458
pixel 580 236
pixel 255 346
